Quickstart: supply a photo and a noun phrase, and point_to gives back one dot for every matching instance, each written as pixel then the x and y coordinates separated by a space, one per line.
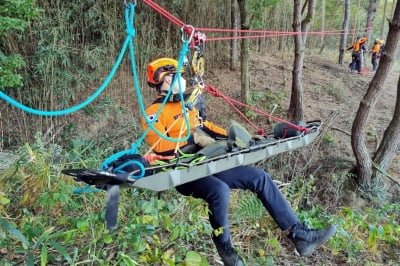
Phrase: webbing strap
pixel 112 206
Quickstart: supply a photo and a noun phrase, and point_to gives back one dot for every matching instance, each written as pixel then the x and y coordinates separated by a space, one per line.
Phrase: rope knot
pixel 130 31
pixel 213 91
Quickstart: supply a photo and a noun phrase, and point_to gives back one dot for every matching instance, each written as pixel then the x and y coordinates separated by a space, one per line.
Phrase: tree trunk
pixel 364 166
pixel 390 142
pixel 383 19
pixel 234 24
pixel 370 18
pixel 331 22
pixel 296 100
pixel 244 54
pixel 345 29
pixel 391 139
pixel 368 29
pixel 355 24
pixel 393 5
pixel 323 18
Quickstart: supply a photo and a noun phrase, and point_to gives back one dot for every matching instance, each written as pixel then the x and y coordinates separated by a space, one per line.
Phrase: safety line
pixel 216 93
pixel 267 33
pixel 279 34
pixel 165 13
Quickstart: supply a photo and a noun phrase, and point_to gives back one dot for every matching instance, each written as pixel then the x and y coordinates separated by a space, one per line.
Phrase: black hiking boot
pixel 228 255
pixel 307 240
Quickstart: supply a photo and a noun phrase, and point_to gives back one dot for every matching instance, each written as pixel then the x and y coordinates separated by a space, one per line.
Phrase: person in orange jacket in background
pixel 356 55
pixel 215 189
pixel 375 54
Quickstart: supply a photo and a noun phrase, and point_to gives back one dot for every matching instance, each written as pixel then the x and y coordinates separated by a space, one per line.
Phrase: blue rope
pixel 128 39
pixel 86 189
pixel 129 17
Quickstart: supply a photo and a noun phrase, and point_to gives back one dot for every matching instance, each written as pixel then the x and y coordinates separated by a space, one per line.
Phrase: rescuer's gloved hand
pixel 201 139
pixel 258 137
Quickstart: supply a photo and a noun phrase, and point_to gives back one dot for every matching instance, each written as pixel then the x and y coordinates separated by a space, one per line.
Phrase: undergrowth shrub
pixel 362 237
pixel 44 222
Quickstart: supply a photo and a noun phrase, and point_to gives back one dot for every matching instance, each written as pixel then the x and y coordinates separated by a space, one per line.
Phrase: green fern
pixel 250 207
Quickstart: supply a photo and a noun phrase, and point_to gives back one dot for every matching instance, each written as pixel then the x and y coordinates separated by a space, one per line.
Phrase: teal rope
pixel 129 18
pixel 128 43
pixel 8 99
pixel 184 50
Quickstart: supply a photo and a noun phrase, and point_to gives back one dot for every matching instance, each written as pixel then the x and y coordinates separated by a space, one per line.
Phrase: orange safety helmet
pixel 159 68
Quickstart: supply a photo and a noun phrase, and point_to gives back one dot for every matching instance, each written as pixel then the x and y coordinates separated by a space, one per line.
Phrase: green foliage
pixel 16 15
pixel 258 9
pixel 104 108
pixel 46 223
pixel 300 190
pixel 271 102
pixel 52 221
pixel 9 67
pixel 329 137
pixel 33 240
pixel 14 18
pixel 361 236
pixel 250 207
pixel 367 234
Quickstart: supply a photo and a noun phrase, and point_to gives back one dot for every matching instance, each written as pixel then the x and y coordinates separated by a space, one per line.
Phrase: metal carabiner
pixel 127 5
pixel 183 33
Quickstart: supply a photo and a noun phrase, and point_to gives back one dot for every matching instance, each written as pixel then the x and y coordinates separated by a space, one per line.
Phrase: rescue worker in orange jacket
pixel 162 75
pixel 375 54
pixel 356 55
pixel 171 121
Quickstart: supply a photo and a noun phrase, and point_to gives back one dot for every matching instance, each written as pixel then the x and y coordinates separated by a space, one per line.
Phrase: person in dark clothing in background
pixel 375 54
pixel 356 55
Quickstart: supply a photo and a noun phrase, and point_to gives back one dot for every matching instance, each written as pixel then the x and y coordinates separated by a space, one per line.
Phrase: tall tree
pixel 364 164
pixel 301 27
pixel 390 143
pixel 244 53
pixel 383 18
pixel 345 29
pixel 323 17
pixel 330 24
pixel 370 18
pixel 234 25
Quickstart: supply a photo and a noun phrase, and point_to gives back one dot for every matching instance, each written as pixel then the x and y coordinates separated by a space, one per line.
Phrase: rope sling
pixel 158 173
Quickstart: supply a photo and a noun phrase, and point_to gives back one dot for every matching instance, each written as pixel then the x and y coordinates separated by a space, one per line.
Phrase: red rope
pixel 213 91
pixel 264 33
pixel 164 12
pixel 216 93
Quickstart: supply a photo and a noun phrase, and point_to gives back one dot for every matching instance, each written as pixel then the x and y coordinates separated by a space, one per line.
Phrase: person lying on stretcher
pixel 163 76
